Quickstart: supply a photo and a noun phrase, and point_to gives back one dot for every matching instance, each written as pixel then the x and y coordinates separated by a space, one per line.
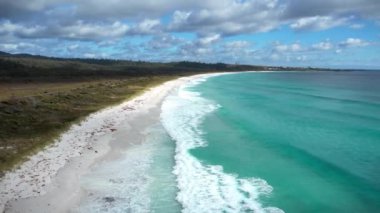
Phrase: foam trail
pixel 205 188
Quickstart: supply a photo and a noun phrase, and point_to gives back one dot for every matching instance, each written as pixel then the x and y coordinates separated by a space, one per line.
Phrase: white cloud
pixel 9 47
pixel 179 18
pixel 163 41
pixel 324 45
pixel 238 51
pixel 17 47
pixel 73 47
pixel 89 55
pixel 318 23
pixel 237 45
pixel 147 26
pixel 230 17
pixel 10 28
pixel 295 47
pixel 78 30
pixel 353 42
pixel 274 56
pixel 209 39
pixel 225 17
pixel 281 48
pixel 301 58
pixel 356 26
pixel 81 30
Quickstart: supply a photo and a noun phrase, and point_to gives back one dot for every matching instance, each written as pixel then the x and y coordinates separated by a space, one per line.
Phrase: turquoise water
pixel 272 142
pixel 251 142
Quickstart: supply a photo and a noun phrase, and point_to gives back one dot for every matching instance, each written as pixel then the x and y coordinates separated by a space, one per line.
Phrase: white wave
pixel 205 188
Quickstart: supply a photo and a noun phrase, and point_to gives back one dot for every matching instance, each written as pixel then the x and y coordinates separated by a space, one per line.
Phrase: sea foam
pixel 202 187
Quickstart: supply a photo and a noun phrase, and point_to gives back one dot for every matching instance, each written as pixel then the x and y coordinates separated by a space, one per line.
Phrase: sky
pixel 317 33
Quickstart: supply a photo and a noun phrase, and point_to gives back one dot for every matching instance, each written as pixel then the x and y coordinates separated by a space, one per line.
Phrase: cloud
pixel 280 48
pixel 238 51
pixel 204 46
pixel 211 30
pixel 49 18
pixel 236 45
pixel 163 41
pixel 353 42
pixel 73 47
pixel 323 45
pixel 23 8
pixel 224 17
pixel 9 28
pixel 179 18
pixel 89 55
pixel 234 18
pixel 89 9
pixel 296 9
pixel 156 8
pixel 147 26
pixel 81 30
pixel 78 30
pixel 280 52
pixel 208 39
pixel 18 47
pixel 318 23
pixel 356 26
pixel 301 58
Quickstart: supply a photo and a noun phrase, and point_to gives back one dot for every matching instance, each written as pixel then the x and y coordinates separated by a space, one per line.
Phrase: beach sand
pixel 50 180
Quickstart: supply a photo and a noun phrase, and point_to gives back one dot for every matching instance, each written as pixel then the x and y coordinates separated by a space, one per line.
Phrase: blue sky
pixel 323 33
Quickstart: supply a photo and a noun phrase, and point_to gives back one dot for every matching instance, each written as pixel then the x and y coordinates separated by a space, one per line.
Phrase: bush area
pixel 31 122
pixel 31 67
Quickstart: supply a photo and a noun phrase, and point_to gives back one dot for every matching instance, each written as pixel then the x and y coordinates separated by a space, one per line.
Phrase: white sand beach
pixel 50 180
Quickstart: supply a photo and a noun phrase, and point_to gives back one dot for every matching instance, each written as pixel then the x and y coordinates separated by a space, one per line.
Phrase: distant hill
pixel 26 66
pixel 3 53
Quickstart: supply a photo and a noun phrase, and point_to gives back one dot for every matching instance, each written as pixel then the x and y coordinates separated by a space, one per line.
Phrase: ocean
pixel 277 142
pixel 252 142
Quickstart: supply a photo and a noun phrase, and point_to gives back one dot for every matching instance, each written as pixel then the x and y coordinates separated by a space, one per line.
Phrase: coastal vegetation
pixel 33 114
pixel 22 66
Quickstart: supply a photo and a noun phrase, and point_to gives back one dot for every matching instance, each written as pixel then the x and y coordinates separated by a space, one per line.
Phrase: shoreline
pixel 50 179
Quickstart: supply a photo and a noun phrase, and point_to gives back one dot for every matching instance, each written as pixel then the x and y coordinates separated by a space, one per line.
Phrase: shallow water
pixel 313 137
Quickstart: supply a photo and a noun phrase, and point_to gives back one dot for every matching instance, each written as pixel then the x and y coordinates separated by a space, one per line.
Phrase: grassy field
pixel 33 114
